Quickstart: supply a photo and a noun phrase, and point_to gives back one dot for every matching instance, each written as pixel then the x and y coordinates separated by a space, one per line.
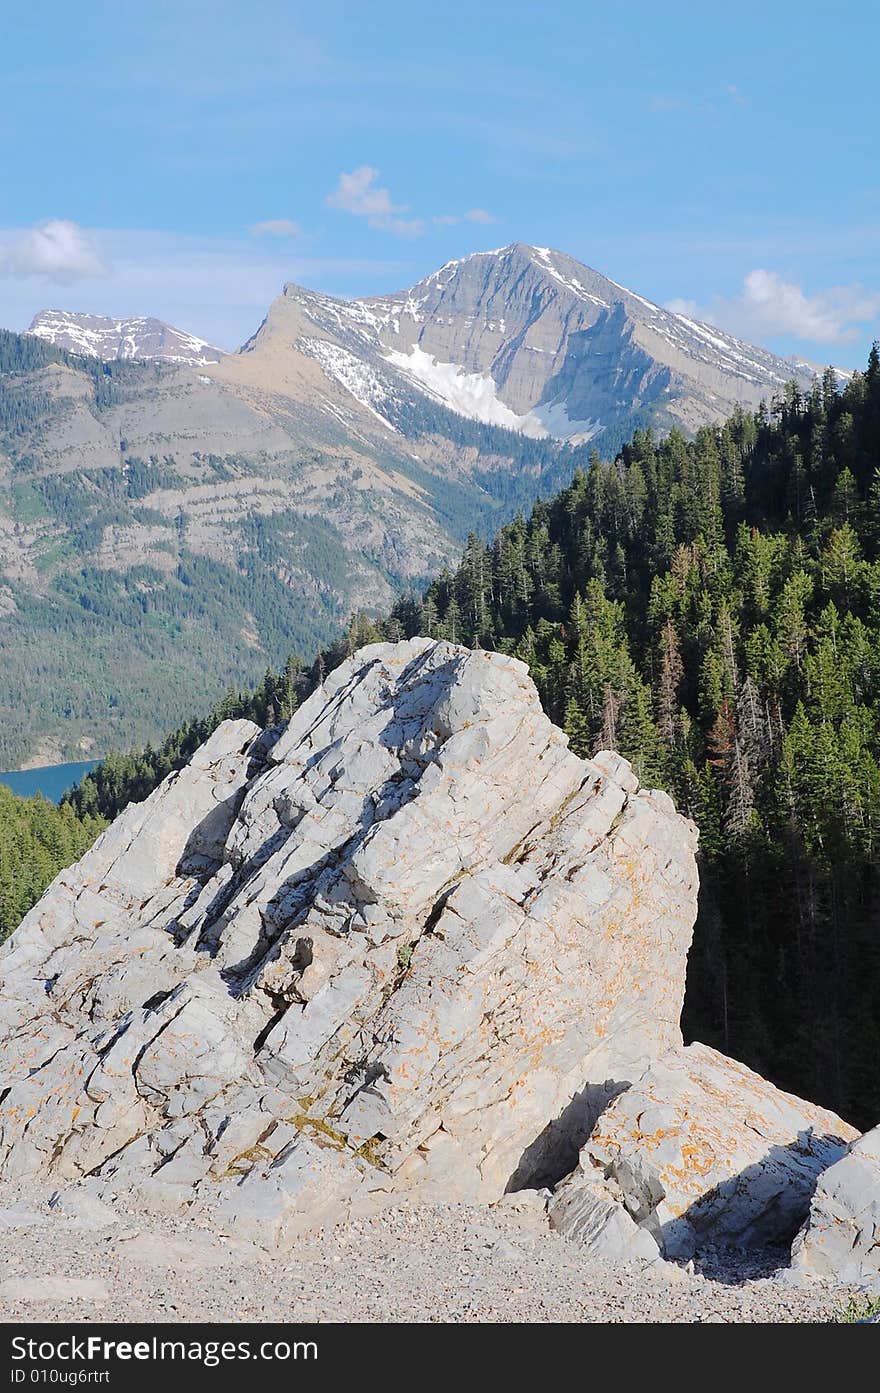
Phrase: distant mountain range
pixel 112 339
pixel 524 338
pixel 172 519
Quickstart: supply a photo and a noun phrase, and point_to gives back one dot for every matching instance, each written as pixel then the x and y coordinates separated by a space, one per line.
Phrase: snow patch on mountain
pixel 99 336
pixel 729 354
pixel 555 419
pixel 648 304
pixel 529 339
pixel 352 373
pixel 469 394
pixel 545 257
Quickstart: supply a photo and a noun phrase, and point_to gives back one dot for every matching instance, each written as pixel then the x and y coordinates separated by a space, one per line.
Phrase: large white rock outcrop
pixel 841 1236
pixel 413 946
pixel 699 1150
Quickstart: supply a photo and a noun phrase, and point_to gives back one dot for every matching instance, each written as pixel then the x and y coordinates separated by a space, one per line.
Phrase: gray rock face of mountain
pixel 529 338
pixel 523 337
pixel 112 339
pixel 274 504
pixel 413 947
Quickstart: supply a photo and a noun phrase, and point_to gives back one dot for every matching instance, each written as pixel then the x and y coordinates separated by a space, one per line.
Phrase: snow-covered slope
pixel 525 338
pixel 110 339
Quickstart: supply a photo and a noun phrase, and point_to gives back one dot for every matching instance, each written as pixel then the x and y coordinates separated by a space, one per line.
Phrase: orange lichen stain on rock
pixel 698 1161
pixel 682 1207
pixel 655 1138
pixel 649 1139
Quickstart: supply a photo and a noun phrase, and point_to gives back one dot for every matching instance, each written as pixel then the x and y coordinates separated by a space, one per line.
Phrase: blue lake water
pixel 53 780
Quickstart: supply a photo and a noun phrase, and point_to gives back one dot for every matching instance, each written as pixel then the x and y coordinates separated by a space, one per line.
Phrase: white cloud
pixel 275 227
pixel 57 249
pixel 769 305
pixel 686 307
pixel 402 227
pixel 359 194
pixel 216 287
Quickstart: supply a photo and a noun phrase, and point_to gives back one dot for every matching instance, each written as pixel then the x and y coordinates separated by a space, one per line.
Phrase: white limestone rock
pixel 416 946
pixel 589 1210
pixel 841 1236
pixel 702 1150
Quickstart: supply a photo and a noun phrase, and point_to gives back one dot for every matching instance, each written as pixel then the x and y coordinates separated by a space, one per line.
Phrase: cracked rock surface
pixel 841 1236
pixel 699 1151
pixel 411 947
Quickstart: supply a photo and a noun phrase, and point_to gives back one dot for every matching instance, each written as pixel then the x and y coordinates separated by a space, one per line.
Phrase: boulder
pixel 841 1236
pixel 412 946
pixel 591 1211
pixel 700 1150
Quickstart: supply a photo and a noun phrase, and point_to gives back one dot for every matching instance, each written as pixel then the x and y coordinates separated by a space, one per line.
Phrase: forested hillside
pixel 36 841
pixel 159 540
pixel 712 609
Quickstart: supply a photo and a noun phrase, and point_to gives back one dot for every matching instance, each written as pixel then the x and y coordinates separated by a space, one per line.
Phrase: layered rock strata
pixel 414 945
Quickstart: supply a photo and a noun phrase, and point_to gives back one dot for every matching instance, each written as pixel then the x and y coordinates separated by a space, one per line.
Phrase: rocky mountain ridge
pixel 110 339
pixel 408 946
pixel 526 338
pixel 171 519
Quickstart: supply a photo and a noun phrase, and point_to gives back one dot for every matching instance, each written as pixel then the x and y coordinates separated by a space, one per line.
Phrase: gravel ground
pixel 439 1263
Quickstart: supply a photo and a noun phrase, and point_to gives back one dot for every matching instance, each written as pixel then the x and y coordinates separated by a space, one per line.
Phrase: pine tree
pixel 670 678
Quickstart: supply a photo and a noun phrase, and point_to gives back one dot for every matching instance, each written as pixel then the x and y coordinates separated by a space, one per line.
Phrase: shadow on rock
pixel 554 1153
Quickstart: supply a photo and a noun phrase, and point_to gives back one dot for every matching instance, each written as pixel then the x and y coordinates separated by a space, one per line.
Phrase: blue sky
pixel 185 159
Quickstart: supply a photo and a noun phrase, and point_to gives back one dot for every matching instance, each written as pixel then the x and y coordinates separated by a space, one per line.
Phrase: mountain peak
pixel 100 336
pixel 528 337
pixel 523 337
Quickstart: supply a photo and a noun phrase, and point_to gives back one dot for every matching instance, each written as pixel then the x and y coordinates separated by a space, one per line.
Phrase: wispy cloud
pixel 56 250
pixel 403 227
pixel 665 102
pixel 476 215
pixel 690 308
pixel 275 227
pixel 359 193
pixel 769 306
